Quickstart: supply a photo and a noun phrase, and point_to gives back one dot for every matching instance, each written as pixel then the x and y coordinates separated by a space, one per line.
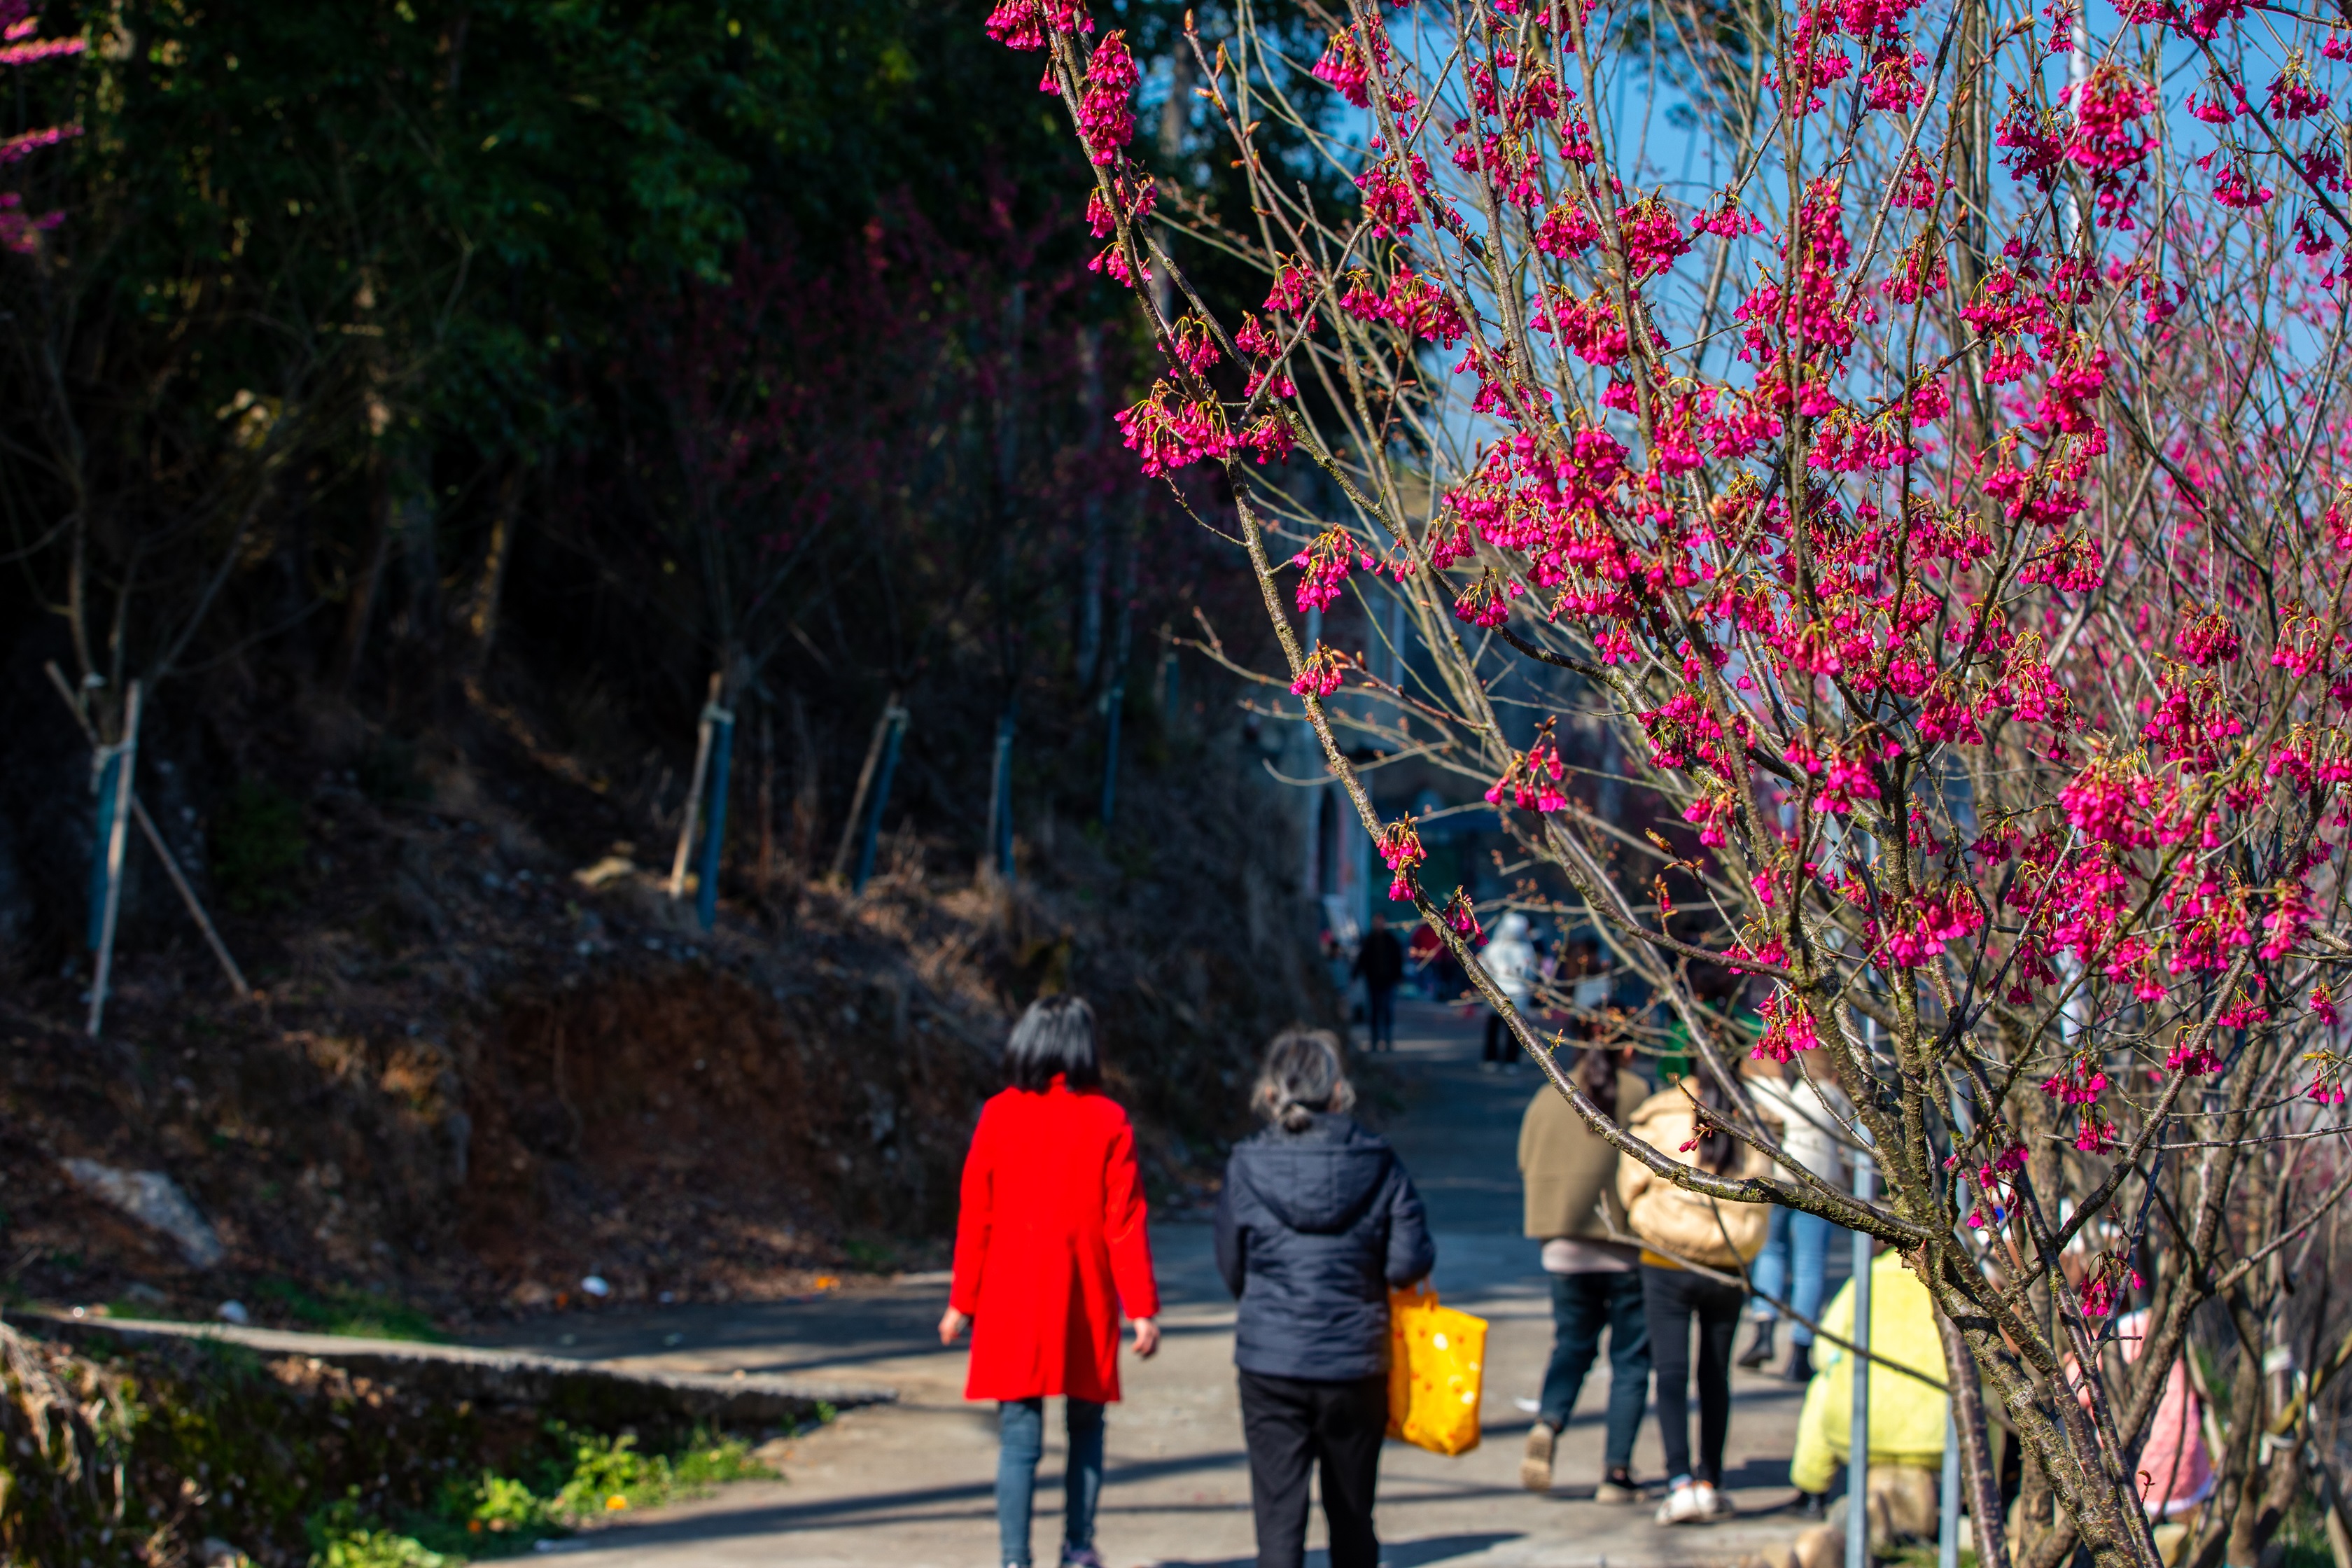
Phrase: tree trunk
pixel 361 610
pixel 482 621
pixel 808 802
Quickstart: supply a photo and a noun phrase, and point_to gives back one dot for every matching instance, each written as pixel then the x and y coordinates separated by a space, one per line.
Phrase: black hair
pixel 1596 1073
pixel 1055 1037
pixel 1302 1075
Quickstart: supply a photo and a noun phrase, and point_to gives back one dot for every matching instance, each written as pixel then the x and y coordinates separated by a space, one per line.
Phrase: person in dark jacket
pixel 1380 959
pixel 1317 1223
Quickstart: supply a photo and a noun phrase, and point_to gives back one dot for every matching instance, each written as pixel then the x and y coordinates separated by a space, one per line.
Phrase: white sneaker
pixel 1692 1504
pixel 1535 1466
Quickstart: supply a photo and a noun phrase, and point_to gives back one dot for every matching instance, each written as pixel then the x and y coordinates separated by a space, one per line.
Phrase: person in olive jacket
pixel 1593 1262
pixel 1317 1223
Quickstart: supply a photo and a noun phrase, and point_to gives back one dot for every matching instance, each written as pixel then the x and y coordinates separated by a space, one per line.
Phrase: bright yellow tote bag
pixel 1436 1357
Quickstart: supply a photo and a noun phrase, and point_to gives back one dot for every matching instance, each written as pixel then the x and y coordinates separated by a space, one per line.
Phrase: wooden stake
pixel 865 783
pixel 118 835
pixel 163 852
pixel 694 793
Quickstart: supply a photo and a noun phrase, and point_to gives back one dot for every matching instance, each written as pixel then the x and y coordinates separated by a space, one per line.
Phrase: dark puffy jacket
pixel 1313 1230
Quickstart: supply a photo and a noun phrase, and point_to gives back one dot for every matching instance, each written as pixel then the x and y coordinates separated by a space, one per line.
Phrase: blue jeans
pixel 1379 1016
pixel 1021 1439
pixel 1791 1268
pixel 1582 1305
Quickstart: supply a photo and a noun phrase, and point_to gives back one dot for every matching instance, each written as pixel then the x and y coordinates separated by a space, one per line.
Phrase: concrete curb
pixel 467 1372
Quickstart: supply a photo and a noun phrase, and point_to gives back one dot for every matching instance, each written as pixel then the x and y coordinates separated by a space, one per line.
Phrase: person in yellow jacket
pixel 1907 1415
pixel 1683 1232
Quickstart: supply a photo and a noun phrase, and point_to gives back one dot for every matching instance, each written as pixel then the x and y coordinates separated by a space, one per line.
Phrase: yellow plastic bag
pixel 1436 1359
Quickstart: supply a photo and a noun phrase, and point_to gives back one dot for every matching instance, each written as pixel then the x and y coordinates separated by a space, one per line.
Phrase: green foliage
pixel 2302 1540
pixel 135 1436
pixel 596 1475
pixel 339 1538
pixel 257 848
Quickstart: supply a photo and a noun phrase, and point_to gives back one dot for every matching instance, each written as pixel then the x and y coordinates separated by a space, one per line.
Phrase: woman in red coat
pixel 1050 1245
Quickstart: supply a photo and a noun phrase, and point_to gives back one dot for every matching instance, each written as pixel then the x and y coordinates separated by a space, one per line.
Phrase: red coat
pixel 1050 1244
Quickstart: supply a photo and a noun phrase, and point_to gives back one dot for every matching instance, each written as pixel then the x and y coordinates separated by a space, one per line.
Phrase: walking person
pixel 1793 1266
pixel 1569 1173
pixel 1379 961
pixel 1510 960
pixel 1682 1232
pixel 1317 1224
pixel 1051 1246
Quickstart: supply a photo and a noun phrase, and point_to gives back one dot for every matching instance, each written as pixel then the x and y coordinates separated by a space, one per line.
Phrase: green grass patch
pixel 362 1314
pixel 493 1515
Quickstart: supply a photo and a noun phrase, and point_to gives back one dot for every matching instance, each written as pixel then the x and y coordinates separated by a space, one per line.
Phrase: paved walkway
pixel 911 1484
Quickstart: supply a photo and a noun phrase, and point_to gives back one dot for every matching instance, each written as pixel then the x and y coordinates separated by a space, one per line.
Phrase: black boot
pixel 1800 1364
pixel 1759 1349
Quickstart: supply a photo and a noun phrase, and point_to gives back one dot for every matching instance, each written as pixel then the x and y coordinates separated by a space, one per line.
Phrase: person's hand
pixel 1146 1337
pixel 952 1323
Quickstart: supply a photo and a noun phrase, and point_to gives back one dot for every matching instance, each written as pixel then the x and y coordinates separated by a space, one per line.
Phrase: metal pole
pixel 106 768
pixel 722 749
pixel 117 834
pixel 1947 1516
pixel 1947 1513
pixel 1857 1462
pixel 896 720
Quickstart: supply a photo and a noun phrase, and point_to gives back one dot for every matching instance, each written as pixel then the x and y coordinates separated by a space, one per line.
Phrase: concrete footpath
pixel 911 1483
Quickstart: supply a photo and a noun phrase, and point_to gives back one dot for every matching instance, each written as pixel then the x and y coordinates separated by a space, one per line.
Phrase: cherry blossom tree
pixel 1946 501
pixel 19 45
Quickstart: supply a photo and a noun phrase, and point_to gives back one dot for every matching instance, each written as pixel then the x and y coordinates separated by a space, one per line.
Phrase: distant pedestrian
pixel 1569 1175
pixel 1051 1246
pixel 1682 1232
pixel 1424 954
pixel 1317 1224
pixel 1509 959
pixel 1379 961
pixel 1794 1265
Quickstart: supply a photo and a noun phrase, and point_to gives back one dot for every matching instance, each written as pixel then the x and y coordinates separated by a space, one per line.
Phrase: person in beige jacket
pixel 1570 1173
pixel 1677 1228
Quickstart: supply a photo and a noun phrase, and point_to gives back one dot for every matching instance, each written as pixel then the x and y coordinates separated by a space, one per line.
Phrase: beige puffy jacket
pixel 1673 1222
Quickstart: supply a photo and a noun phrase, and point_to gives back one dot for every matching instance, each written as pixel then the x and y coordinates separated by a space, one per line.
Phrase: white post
pixel 2078 72
pixel 1857 1463
pixel 117 839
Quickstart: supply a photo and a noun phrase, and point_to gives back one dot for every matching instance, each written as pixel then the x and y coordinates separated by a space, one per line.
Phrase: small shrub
pixel 258 844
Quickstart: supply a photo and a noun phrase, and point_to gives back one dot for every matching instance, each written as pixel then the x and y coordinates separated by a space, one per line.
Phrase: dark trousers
pixel 1379 1016
pixel 1671 1297
pixel 1292 1425
pixel 1582 1305
pixel 1500 1047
